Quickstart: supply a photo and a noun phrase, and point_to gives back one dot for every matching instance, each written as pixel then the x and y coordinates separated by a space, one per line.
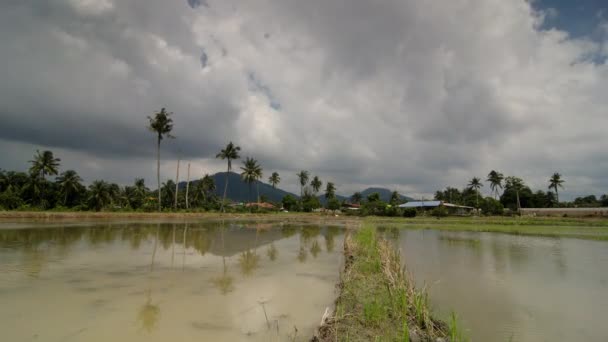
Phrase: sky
pixel 411 95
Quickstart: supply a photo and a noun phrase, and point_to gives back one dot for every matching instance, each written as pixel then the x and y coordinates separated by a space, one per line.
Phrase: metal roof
pixel 420 204
pixel 431 204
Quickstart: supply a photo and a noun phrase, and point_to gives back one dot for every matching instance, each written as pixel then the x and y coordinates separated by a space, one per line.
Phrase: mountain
pixel 385 194
pixel 238 191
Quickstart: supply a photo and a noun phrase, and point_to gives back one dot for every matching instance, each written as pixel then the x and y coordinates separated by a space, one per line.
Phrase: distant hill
pixel 238 191
pixel 385 194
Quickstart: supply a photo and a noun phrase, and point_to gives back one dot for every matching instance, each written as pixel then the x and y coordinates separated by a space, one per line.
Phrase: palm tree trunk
pixel 557 196
pixel 225 188
pixel 257 185
pixel 187 187
pixel 158 171
pixel 176 184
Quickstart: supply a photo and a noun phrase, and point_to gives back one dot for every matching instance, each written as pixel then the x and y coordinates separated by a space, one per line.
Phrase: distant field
pixel 595 229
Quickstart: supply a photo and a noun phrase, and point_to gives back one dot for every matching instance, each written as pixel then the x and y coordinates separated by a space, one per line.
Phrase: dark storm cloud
pixel 413 94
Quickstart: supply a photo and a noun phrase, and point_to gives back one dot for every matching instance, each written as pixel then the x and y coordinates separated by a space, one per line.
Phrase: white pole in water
pixel 188 187
pixel 176 182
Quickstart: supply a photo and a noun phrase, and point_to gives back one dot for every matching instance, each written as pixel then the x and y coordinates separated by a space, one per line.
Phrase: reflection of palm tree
pixel 184 244
pixel 315 248
pixel 154 250
pixel 149 314
pixel 272 252
pixel 224 282
pixel 302 254
pixel 249 261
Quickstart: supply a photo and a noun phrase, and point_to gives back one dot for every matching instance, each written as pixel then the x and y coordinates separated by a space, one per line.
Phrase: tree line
pixel 513 193
pixel 34 190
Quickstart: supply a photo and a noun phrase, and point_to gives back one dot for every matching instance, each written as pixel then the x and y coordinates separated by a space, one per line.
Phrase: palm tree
pixel 316 184
pixel 99 195
pixel 554 182
pixel 495 179
pixel 330 190
pixel 69 184
pixel 303 177
pixel 274 179
pixel 356 197
pixel 44 164
pixel 162 125
pixel 230 153
pixel 475 184
pixel 517 184
pixel 252 171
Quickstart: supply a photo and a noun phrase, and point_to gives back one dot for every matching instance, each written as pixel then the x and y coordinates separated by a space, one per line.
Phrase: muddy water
pixel 166 282
pixel 513 288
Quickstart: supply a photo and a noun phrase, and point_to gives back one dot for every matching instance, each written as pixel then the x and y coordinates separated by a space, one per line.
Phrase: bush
pixel 409 212
pixel 490 206
pixel 440 211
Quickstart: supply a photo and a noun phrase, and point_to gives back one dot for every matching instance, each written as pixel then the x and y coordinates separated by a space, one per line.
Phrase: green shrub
pixel 409 212
pixel 440 211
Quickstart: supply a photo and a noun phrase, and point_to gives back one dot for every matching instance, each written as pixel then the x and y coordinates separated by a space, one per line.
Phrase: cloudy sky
pixel 412 95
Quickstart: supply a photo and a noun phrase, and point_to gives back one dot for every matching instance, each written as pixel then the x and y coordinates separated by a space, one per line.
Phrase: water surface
pixel 166 282
pixel 513 288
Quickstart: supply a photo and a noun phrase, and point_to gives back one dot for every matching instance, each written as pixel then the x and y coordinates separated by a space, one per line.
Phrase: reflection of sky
pixel 577 17
pixel 501 285
pixel 110 282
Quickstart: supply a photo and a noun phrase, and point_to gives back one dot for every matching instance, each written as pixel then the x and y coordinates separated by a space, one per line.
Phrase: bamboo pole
pixel 188 188
pixel 176 183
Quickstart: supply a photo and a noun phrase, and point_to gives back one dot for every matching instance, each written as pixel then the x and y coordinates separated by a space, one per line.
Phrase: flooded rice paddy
pixel 166 282
pixel 512 288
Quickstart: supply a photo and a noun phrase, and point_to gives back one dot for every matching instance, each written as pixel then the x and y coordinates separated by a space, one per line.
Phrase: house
pixel 428 205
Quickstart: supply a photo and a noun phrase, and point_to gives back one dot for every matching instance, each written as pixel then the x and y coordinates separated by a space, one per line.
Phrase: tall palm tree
pixel 475 184
pixel 303 177
pixel 230 153
pixel 99 195
pixel 162 125
pixel 517 184
pixel 555 182
pixel 69 184
pixel 252 171
pixel 274 179
pixel 495 178
pixel 44 164
pixel 316 184
pixel 330 190
pixel 356 197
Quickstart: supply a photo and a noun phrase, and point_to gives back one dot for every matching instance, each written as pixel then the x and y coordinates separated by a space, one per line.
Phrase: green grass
pixel 593 229
pixel 378 301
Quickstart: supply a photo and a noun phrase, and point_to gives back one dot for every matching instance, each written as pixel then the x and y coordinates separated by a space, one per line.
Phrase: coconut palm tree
pixel 274 179
pixel 44 164
pixel 330 190
pixel 555 182
pixel 252 172
pixel 303 177
pixel 517 184
pixel 356 197
pixel 69 184
pixel 162 125
pixel 316 184
pixel 475 184
pixel 495 178
pixel 230 153
pixel 99 195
